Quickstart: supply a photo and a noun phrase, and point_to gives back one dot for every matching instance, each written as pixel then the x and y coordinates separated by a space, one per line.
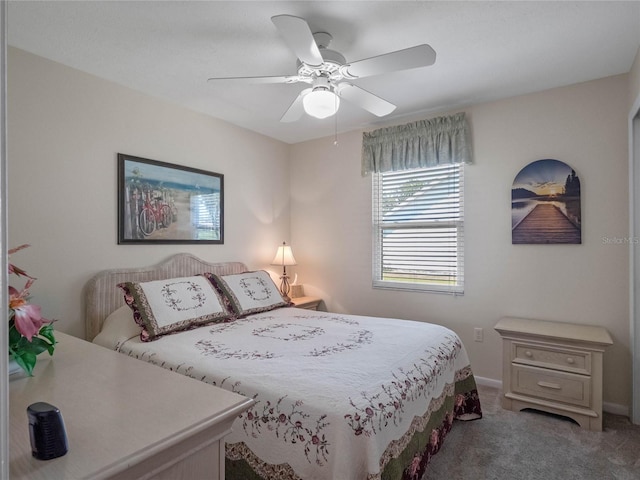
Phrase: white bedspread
pixel 332 391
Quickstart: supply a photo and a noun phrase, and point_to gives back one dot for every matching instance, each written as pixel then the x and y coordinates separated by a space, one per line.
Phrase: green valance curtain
pixel 421 144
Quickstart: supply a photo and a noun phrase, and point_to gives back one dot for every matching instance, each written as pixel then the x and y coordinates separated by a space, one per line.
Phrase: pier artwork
pixel 546 224
pixel 545 204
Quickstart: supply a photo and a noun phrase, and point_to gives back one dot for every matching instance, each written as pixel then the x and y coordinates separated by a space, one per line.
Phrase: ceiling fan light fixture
pixel 321 102
pixel 328 73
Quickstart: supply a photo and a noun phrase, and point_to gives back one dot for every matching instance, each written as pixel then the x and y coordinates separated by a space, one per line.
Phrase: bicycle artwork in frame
pixel 160 202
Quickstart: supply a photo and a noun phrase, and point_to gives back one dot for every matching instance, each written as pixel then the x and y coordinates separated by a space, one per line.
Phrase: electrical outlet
pixel 478 334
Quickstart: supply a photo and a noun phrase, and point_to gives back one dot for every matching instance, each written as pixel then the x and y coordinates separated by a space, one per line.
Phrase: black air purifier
pixel 46 431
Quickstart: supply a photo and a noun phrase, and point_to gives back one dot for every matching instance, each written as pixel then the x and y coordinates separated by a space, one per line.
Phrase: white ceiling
pixel 485 51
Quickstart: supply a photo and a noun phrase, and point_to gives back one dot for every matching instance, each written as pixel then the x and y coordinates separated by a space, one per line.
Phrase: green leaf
pixel 36 346
pixel 26 360
pixel 25 352
pixel 14 335
pixel 47 332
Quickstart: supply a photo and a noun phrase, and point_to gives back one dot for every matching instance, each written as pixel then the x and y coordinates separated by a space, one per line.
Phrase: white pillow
pixel 250 292
pixel 118 327
pixel 166 306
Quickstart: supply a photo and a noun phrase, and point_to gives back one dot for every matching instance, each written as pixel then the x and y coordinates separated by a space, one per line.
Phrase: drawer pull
pixel 528 354
pixel 570 361
pixel 553 386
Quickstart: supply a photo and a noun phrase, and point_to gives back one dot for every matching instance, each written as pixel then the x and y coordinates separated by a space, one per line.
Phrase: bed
pixel 336 396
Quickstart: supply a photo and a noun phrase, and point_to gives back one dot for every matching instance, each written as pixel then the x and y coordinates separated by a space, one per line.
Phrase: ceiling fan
pixel 328 73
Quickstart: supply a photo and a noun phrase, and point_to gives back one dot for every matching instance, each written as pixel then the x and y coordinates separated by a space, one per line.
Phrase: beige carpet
pixel 530 445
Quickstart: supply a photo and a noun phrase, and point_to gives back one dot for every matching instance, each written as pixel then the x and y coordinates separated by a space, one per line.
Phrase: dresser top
pixel 117 411
pixel 554 330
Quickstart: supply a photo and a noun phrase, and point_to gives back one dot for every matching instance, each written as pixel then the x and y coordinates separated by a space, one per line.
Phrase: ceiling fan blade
pixel 298 36
pixel 414 57
pixel 258 80
pixel 296 109
pixel 364 99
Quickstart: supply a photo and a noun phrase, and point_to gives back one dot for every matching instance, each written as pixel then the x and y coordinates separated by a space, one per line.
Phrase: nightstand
pixel 309 303
pixel 554 367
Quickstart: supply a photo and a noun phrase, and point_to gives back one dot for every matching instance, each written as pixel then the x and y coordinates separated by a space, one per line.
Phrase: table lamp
pixel 284 257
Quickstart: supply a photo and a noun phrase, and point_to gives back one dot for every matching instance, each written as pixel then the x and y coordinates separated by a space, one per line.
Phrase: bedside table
pixel 308 303
pixel 554 367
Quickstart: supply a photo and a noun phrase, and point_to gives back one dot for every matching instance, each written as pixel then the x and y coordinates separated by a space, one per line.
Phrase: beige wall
pixel 634 78
pixel 583 125
pixel 65 129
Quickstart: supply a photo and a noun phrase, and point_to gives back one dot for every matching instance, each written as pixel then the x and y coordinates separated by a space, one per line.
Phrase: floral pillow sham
pixel 249 292
pixel 161 307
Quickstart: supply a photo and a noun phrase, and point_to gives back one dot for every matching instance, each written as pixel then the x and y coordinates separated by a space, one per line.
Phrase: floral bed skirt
pixel 406 459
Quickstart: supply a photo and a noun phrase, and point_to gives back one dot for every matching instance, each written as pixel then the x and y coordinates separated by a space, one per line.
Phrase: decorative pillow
pixel 165 306
pixel 249 292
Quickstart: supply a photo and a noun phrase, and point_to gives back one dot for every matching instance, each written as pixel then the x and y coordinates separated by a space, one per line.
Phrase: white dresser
pixel 124 418
pixel 554 367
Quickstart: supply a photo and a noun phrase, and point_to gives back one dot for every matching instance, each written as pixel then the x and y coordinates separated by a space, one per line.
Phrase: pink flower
pixel 414 468
pixel 26 324
pixel 15 270
pixel 435 439
pixel 27 318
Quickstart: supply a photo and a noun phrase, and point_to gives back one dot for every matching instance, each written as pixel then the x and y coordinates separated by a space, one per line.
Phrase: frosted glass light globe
pixel 321 103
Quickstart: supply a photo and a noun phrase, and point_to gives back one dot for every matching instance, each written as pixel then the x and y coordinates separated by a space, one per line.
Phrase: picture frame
pixel 546 204
pixel 165 203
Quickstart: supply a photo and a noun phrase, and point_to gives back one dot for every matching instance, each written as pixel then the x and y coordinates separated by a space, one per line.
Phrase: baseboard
pixel 488 382
pixel 613 408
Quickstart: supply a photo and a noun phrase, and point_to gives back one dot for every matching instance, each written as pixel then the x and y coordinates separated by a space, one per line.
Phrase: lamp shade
pixel 284 256
pixel 321 103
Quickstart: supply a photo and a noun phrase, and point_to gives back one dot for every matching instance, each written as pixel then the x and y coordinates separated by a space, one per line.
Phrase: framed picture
pixel 545 204
pixel 160 202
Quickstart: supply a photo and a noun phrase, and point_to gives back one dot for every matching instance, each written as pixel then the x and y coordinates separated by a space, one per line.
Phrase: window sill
pixel 414 287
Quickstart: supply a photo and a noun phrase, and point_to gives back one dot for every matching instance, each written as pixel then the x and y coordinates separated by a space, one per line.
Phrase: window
pixel 418 228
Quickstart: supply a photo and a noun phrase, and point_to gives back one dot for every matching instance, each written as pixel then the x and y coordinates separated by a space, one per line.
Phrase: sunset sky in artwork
pixel 544 177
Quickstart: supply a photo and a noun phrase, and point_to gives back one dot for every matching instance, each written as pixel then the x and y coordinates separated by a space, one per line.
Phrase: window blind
pixel 419 229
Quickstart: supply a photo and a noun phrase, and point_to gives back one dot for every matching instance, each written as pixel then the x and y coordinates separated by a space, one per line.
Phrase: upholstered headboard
pixel 102 296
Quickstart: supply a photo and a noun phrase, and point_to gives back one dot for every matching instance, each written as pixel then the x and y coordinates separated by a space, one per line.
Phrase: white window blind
pixel 419 229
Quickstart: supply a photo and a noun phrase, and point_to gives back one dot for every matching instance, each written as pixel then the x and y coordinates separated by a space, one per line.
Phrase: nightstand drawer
pixel 553 385
pixel 551 357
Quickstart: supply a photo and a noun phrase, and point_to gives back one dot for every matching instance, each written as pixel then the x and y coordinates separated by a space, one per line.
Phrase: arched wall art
pixel 545 204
